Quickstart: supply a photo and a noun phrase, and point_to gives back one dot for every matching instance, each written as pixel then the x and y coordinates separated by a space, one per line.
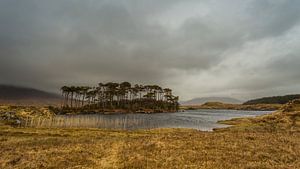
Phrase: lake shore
pixel 12 115
pixel 111 111
pixel 225 106
pixel 244 145
pixel 204 120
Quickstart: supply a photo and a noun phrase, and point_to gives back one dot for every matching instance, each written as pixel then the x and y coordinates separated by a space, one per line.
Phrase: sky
pixel 200 48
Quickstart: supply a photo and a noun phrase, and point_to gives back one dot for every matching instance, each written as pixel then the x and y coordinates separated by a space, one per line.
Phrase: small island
pixel 118 98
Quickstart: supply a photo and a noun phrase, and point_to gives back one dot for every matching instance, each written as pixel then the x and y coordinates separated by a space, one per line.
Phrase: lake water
pixel 204 120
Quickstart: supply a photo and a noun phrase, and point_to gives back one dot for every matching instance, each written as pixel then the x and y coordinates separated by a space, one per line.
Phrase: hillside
pixel 226 106
pixel 26 96
pixel 285 119
pixel 200 101
pixel 274 100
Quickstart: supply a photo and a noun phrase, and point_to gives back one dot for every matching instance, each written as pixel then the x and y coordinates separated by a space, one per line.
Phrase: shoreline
pixel 224 106
pixel 17 115
pixel 116 121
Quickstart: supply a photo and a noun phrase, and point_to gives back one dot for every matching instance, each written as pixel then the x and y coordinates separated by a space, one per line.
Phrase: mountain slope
pixel 26 96
pixel 274 99
pixel 199 101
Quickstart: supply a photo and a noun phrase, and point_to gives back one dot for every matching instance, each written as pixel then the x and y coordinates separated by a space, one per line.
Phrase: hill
pixel 16 95
pixel 228 106
pixel 200 101
pixel 274 100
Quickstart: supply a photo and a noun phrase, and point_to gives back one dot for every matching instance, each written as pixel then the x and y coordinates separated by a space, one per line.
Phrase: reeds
pixel 91 121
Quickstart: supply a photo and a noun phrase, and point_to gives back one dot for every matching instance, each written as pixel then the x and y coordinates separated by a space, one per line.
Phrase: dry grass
pixel 23 112
pixel 271 141
pixel 285 120
pixel 164 148
pixel 14 115
pixel 89 121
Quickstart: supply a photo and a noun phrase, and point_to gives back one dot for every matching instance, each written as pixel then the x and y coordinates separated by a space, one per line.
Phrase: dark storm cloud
pixel 47 44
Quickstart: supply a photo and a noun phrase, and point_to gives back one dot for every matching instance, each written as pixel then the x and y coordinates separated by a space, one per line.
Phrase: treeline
pixel 111 96
pixel 273 100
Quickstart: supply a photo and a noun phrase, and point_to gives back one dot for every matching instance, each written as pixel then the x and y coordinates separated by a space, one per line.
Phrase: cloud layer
pixel 241 49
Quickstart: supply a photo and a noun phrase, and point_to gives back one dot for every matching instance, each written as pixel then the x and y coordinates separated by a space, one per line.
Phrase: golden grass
pixel 271 141
pixel 287 119
pixel 160 148
pixel 23 112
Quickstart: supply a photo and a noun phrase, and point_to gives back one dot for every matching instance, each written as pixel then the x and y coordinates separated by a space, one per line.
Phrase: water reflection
pixel 204 120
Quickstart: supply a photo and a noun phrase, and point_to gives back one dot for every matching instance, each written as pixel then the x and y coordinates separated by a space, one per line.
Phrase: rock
pixel 18 121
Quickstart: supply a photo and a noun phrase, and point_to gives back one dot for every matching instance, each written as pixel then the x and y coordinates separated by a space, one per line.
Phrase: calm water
pixel 204 120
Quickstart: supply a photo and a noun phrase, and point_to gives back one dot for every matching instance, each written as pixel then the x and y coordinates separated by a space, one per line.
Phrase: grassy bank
pixel 225 106
pixel 287 119
pixel 271 141
pixel 13 115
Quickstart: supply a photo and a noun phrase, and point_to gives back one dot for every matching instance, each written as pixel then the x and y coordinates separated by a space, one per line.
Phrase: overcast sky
pixel 236 48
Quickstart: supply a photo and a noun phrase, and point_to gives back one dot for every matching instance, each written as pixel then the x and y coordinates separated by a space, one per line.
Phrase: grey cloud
pixel 273 17
pixel 46 44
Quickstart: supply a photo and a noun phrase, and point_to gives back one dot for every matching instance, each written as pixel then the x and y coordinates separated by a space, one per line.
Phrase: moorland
pixel 268 141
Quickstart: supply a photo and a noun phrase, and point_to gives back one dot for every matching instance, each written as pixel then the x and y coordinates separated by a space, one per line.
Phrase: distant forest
pixel 111 96
pixel 273 100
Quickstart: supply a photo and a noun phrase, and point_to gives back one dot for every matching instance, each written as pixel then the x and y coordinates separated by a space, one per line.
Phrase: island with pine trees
pixel 118 98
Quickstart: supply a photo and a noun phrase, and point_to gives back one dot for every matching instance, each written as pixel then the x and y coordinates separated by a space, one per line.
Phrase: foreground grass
pixel 271 141
pixel 165 148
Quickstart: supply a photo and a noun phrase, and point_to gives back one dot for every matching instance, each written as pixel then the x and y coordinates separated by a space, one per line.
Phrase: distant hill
pixel 229 106
pixel 200 101
pixel 26 96
pixel 274 100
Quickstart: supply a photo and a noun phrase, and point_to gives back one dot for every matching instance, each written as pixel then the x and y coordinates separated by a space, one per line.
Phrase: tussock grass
pixel 159 148
pixel 287 119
